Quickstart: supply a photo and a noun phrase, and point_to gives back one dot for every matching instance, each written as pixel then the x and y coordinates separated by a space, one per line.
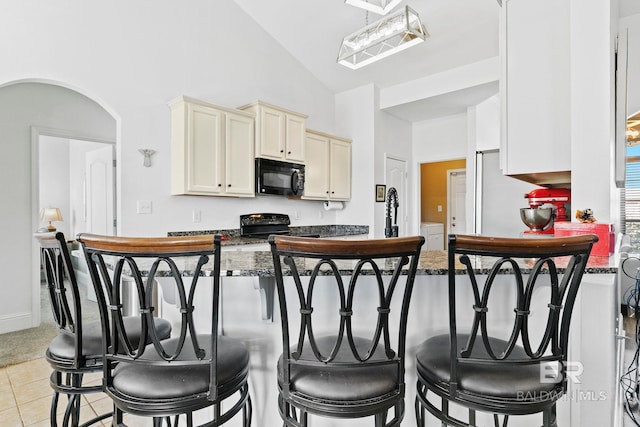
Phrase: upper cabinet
pixel 280 134
pixel 536 103
pixel 211 150
pixel 327 167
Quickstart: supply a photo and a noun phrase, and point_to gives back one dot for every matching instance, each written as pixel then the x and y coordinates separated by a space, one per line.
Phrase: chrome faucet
pixel 391 230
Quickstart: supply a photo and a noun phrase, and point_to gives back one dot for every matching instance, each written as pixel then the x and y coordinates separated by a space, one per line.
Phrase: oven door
pixel 280 178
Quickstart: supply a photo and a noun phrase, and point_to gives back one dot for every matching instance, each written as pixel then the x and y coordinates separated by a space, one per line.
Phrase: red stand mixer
pixel 539 219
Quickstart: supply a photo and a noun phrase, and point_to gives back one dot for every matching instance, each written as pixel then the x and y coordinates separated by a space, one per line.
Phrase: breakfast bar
pixel 247 308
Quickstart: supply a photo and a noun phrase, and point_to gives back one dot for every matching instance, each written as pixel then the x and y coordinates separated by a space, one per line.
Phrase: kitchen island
pixel 247 312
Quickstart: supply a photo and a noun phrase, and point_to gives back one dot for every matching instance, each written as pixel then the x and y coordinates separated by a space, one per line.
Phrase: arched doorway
pixel 29 109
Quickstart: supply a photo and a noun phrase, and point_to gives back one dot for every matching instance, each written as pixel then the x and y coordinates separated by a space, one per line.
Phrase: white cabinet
pixel 433 233
pixel 327 168
pixel 279 133
pixel 211 150
pixel 536 103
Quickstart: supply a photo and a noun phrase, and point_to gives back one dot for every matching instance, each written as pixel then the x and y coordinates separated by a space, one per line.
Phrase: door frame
pixel 36 133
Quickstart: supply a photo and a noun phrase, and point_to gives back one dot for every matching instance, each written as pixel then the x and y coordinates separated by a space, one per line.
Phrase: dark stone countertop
pixel 231 237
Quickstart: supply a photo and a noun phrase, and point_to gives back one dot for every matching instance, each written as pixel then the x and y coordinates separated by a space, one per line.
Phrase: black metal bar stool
pixel 182 374
pixel 357 369
pixel 520 370
pixel 77 349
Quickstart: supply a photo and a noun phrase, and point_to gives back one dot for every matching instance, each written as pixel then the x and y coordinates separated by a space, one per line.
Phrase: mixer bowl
pixel 536 218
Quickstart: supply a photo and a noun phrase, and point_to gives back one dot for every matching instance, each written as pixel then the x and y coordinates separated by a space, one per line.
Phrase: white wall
pixel 54 179
pixel 132 59
pixel 355 119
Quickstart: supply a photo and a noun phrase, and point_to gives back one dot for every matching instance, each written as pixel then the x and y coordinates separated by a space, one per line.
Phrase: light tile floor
pixel 25 398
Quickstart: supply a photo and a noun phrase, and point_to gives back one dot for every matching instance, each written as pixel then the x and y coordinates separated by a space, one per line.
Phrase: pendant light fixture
pixel 389 35
pixel 381 7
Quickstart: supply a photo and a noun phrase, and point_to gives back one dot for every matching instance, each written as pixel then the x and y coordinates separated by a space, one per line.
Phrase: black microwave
pixel 277 177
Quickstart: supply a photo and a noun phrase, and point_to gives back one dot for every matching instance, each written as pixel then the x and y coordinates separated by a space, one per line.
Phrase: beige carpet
pixel 29 344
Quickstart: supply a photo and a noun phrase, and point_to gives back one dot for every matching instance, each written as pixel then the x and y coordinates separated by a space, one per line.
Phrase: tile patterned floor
pixel 25 398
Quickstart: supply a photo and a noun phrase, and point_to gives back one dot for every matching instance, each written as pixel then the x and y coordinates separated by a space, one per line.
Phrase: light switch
pixel 196 216
pixel 144 206
pixel 439 208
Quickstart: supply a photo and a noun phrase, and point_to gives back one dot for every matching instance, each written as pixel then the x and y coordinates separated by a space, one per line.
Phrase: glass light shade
pixel 381 7
pixel 385 37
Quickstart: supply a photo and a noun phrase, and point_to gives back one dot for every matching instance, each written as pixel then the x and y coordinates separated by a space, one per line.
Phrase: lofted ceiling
pixel 461 32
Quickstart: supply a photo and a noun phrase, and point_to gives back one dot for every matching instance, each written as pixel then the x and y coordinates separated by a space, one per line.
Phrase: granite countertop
pixel 260 263
pixel 231 237
pixel 434 263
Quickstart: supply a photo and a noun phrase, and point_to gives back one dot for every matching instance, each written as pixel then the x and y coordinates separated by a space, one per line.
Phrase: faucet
pixel 389 230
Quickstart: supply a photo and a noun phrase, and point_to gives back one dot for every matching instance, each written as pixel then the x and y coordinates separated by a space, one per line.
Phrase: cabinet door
pixel 537 110
pixel 316 181
pixel 340 170
pixel 204 150
pixel 240 169
pixel 295 138
pixel 272 133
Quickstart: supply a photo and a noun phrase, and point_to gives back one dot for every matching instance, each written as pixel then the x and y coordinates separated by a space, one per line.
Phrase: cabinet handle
pixel 332 192
pixel 219 185
pixel 228 185
pixel 282 151
pixel 288 152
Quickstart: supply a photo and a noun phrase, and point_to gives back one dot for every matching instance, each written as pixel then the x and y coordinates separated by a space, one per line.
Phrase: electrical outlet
pixel 144 206
pixel 296 215
pixel 196 216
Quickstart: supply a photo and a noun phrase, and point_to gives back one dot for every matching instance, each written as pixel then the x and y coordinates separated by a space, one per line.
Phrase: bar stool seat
pixel 342 383
pixel 62 347
pixel 491 379
pixel 172 381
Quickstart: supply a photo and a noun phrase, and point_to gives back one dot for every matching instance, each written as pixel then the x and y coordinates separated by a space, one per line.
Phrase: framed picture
pixel 380 192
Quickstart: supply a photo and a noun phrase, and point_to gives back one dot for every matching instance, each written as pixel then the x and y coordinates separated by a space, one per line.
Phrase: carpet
pixel 29 344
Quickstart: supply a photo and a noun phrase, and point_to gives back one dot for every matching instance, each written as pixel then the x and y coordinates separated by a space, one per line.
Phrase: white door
pixel 396 176
pixel 456 201
pixel 99 191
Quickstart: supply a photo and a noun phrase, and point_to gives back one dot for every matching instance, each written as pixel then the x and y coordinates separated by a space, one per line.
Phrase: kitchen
pixel 120 86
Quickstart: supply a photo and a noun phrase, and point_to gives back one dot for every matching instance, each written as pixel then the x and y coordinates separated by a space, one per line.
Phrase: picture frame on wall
pixel 381 190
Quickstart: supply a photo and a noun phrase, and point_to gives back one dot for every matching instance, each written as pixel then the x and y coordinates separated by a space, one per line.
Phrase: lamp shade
pixel 50 214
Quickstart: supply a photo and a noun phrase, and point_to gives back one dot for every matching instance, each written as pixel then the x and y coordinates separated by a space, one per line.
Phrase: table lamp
pixel 50 214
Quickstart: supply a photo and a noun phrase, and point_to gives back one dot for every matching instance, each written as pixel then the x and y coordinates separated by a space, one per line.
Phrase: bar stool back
pixel 521 368
pixel 357 369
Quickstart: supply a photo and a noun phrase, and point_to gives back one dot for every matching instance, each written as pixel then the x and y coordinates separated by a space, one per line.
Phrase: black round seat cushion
pixel 521 382
pixel 171 380
pixel 62 347
pixel 336 383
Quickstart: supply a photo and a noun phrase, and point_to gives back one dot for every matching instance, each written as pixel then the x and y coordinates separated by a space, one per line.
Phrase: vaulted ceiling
pixel 461 32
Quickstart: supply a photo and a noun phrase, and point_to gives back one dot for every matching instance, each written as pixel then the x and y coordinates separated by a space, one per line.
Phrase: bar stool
pixel 357 369
pixel 182 374
pixel 523 369
pixel 77 349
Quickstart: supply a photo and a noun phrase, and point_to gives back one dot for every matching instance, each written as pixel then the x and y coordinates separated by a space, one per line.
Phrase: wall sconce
pixel 50 214
pixel 147 153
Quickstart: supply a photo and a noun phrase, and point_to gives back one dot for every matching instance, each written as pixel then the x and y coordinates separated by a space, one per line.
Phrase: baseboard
pixel 15 322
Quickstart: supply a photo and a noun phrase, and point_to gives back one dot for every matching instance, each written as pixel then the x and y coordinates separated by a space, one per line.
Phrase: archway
pixel 29 109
